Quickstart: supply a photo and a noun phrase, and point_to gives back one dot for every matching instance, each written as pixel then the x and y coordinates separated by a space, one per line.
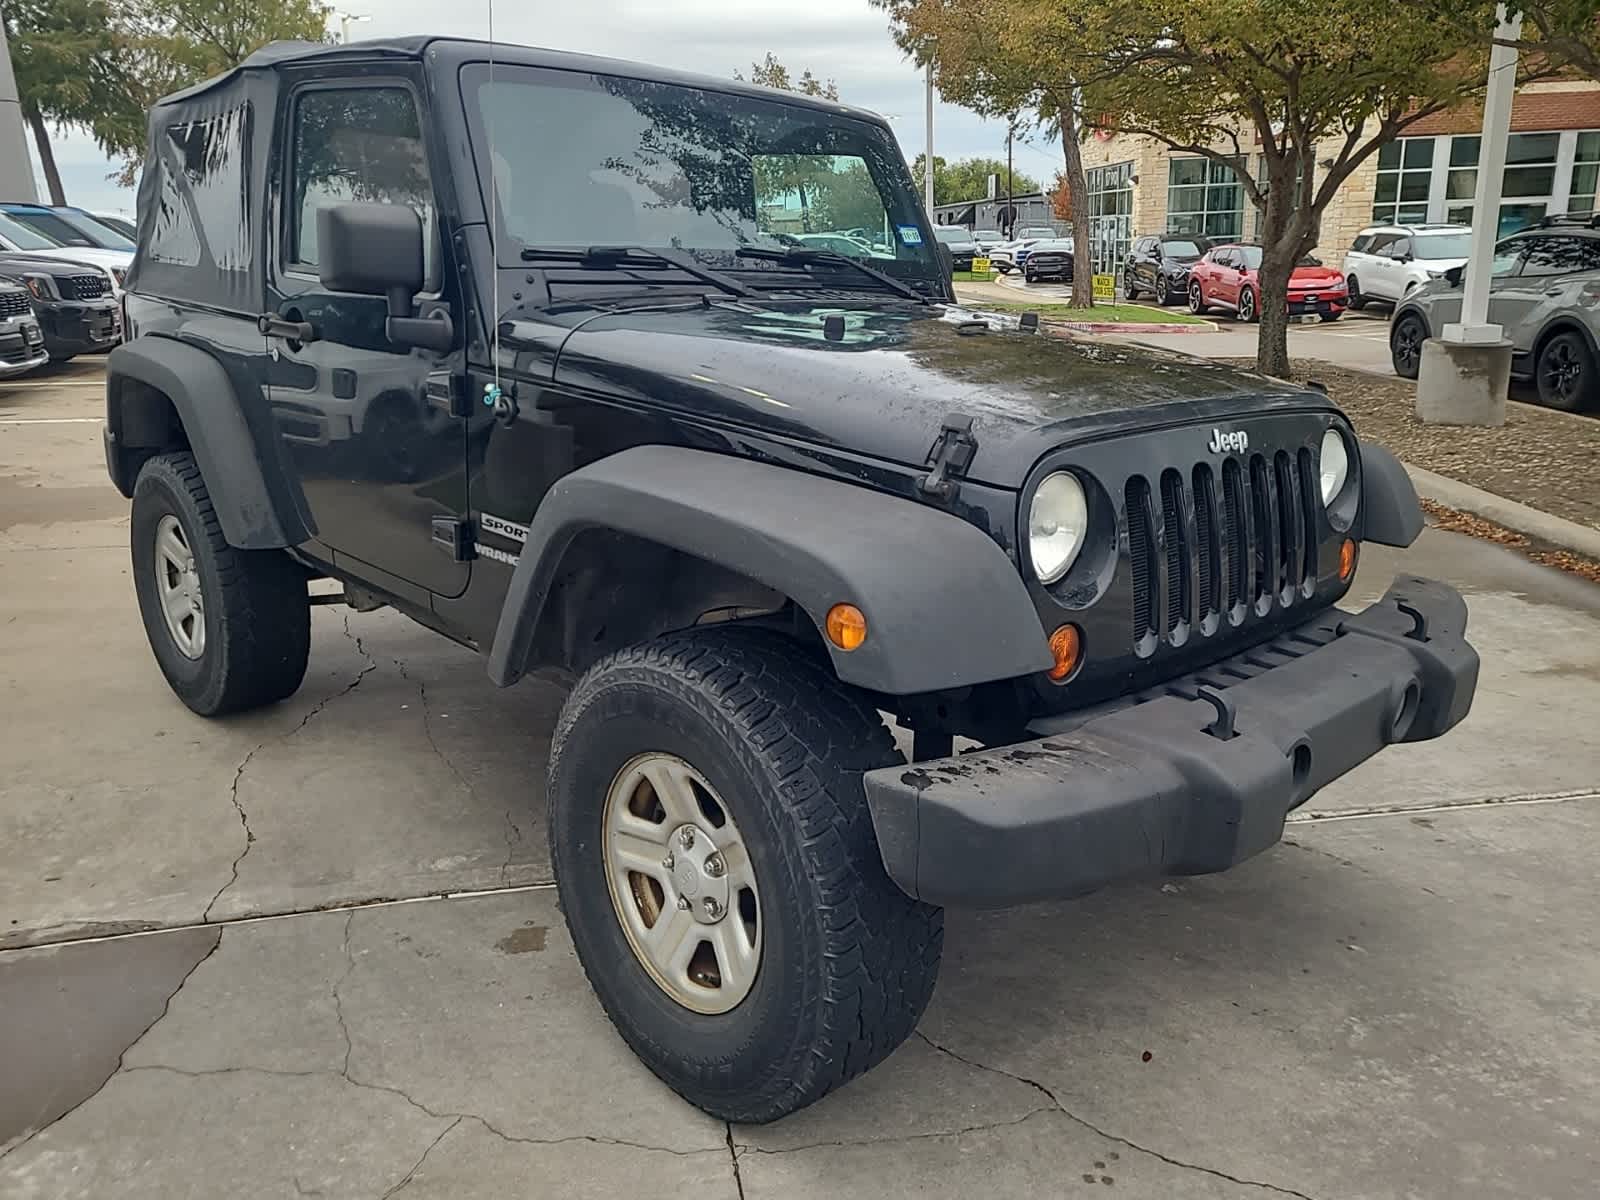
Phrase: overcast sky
pixel 845 40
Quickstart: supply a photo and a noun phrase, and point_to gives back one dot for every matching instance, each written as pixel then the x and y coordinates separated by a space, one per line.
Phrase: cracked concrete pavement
pixel 226 969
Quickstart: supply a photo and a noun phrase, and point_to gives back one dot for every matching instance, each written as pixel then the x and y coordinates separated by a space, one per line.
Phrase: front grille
pixel 1220 544
pixel 13 304
pixel 86 287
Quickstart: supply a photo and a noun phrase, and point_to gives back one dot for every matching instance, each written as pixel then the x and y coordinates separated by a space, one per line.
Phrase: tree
pixel 968 178
pixel 1002 58
pixel 769 72
pixel 1061 199
pixel 64 55
pixel 1562 32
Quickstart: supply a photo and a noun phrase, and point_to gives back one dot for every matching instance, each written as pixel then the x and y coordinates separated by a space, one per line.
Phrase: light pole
pixel 1465 372
pixel 927 158
pixel 344 24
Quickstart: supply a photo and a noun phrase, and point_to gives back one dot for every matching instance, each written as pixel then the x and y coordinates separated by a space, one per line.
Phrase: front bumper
pixel 72 327
pixel 21 347
pixel 1152 785
pixel 1318 304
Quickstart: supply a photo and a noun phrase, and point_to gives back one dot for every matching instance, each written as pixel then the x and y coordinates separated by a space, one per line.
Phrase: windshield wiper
pixel 807 256
pixel 602 255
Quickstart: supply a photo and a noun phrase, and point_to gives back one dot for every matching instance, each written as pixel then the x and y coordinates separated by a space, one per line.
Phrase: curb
pixel 1452 493
pixel 1131 326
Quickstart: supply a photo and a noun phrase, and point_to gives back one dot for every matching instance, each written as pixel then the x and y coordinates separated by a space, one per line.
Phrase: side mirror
pixel 377 250
pixel 1405 258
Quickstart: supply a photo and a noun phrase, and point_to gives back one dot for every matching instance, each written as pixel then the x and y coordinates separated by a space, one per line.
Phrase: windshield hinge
pixel 950 456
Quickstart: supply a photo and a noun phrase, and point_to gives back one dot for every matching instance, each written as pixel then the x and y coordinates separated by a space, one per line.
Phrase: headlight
pixel 1057 522
pixel 1335 465
pixel 42 287
pixel 118 274
pixel 1435 274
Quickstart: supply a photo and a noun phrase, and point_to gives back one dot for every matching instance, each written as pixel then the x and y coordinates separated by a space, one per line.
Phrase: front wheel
pixel 1331 316
pixel 720 876
pixel 1197 299
pixel 1565 373
pixel 1357 300
pixel 1405 345
pixel 1247 305
pixel 1163 291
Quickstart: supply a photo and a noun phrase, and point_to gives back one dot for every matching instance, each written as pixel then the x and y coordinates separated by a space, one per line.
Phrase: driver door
pixel 1225 280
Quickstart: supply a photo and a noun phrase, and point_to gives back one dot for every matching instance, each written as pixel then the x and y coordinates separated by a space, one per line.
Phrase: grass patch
pixel 969 277
pixel 1122 314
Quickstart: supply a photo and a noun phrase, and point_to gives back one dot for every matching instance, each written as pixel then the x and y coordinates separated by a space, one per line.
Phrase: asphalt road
pixel 228 969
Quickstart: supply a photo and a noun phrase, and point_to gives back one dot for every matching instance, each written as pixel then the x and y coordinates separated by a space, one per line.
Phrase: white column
pixel 1439 180
pixel 927 157
pixel 1474 327
pixel 16 167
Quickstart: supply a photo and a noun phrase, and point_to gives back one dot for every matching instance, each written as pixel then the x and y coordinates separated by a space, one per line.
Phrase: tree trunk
pixel 1078 187
pixel 47 156
pixel 1281 234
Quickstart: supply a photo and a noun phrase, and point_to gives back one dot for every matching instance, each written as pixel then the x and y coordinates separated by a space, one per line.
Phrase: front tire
pixel 1405 345
pixel 1197 299
pixel 769 745
pixel 1357 300
pixel 230 629
pixel 1565 373
pixel 1163 291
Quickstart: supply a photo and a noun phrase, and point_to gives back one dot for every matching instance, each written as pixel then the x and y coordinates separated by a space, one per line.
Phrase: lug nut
pixel 686 838
pixel 715 866
pixel 683 903
pixel 713 909
pixel 668 861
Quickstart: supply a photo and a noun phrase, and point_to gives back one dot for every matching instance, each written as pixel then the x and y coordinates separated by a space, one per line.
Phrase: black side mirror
pixel 377 250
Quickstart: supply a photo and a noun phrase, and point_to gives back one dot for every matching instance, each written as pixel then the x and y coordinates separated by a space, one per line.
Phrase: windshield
pixel 946 233
pixel 1036 232
pixel 23 238
pixel 57 228
pixel 584 160
pixel 1440 245
pixel 1182 249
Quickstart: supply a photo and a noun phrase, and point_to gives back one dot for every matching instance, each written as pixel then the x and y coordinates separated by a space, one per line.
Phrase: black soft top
pixel 202 234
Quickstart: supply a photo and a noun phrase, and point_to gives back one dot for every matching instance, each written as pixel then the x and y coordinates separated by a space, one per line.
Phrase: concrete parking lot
pixel 314 951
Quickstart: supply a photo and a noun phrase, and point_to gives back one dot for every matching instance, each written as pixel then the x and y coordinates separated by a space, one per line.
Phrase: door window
pixel 1559 256
pixel 1381 242
pixel 1506 257
pixel 1400 249
pixel 357 144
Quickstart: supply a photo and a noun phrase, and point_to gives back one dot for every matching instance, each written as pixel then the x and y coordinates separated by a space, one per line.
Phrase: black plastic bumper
pixel 1156 785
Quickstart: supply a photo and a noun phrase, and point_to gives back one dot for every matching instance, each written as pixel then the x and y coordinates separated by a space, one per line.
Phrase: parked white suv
pixel 1387 261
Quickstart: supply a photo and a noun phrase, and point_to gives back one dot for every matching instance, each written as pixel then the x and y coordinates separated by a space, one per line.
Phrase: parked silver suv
pixel 1387 261
pixel 1544 289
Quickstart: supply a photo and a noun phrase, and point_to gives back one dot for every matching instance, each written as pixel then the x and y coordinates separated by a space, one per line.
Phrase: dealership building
pixel 1139 187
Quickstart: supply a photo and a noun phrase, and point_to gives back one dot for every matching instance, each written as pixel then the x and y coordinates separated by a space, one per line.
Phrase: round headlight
pixel 1335 465
pixel 1057 522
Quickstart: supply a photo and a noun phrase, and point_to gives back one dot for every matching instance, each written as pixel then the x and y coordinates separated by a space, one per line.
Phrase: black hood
pixel 885 386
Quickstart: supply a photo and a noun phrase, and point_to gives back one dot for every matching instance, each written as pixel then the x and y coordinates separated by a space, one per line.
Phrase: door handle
pixel 273 326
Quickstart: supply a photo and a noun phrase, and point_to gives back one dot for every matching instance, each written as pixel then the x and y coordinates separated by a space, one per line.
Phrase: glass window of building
pixel 1110 214
pixel 1204 197
pixel 1405 169
pixel 1585 173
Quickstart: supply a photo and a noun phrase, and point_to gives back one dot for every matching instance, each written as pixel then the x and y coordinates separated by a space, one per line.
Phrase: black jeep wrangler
pixel 545 352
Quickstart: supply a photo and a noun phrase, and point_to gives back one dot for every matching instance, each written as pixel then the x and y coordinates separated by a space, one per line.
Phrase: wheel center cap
pixel 699 874
pixel 686 878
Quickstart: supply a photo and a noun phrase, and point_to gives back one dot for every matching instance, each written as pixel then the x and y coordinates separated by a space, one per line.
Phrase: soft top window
pixel 203 208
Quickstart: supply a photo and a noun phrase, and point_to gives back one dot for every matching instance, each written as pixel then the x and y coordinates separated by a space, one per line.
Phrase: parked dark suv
pixel 530 355
pixel 73 302
pixel 1160 266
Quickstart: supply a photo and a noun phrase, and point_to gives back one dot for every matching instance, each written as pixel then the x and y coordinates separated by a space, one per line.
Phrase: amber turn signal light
pixel 1066 647
pixel 847 628
pixel 1347 559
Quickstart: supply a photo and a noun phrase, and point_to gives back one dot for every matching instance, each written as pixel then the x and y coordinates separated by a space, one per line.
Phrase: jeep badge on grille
pixel 1222 443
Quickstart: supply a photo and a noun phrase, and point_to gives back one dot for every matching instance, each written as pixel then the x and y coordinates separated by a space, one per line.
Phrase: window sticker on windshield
pixel 910 235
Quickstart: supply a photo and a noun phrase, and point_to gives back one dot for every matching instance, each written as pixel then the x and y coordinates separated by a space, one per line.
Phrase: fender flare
pixel 207 404
pixel 1391 515
pixel 945 606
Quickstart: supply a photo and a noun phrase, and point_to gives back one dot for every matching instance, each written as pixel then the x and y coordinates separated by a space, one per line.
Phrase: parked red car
pixel 1226 277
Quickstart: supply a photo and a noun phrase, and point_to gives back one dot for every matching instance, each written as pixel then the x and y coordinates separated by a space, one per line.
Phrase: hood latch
pixel 950 456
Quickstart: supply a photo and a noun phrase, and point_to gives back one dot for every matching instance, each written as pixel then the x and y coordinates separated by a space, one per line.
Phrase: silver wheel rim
pixel 682 883
pixel 178 588
pixel 1247 306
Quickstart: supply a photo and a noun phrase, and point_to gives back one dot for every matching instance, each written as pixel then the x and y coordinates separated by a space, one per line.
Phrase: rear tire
pixel 1565 373
pixel 845 961
pixel 245 637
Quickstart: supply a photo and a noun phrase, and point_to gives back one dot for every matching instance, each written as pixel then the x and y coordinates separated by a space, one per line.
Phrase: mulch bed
pixel 1540 552
pixel 1542 458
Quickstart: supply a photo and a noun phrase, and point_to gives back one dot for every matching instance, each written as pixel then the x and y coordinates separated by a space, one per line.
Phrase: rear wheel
pixel 230 629
pixel 1405 345
pixel 719 873
pixel 1357 300
pixel 1247 304
pixel 1565 373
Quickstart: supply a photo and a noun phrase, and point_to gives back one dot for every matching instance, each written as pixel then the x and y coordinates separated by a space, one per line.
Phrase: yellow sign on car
pixel 1105 287
pixel 980 266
